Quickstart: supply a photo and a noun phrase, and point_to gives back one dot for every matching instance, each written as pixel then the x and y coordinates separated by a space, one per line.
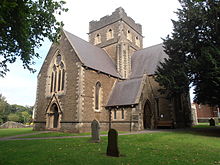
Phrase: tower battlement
pixel 118 14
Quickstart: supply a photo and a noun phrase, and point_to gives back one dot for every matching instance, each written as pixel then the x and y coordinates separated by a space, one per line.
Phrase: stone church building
pixel 110 79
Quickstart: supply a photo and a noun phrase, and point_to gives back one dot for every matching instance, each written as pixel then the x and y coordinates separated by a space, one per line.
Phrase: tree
pixel 13 117
pixel 194 52
pixel 23 26
pixel 4 109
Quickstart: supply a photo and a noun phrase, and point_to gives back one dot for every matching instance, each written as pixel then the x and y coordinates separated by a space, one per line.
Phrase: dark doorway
pixel 55 115
pixel 147 115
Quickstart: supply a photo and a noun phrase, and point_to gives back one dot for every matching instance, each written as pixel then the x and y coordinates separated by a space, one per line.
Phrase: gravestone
pixel 112 149
pixel 95 127
pixel 211 122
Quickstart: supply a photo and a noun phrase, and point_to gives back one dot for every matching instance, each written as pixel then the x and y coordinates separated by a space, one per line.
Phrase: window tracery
pixel 57 74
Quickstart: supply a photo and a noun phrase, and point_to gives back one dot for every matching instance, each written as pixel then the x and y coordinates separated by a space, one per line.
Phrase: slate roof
pixel 126 92
pixel 92 56
pixel 147 60
pixel 143 61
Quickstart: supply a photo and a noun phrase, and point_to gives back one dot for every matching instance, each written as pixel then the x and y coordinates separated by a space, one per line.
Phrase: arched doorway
pixel 147 115
pixel 55 114
pixel 54 110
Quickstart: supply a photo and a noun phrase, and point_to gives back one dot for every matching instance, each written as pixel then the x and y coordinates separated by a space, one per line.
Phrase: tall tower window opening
pixel 137 41
pixel 97 39
pixel 109 34
pixel 129 36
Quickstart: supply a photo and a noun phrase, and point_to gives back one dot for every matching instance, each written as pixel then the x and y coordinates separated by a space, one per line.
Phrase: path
pixel 18 137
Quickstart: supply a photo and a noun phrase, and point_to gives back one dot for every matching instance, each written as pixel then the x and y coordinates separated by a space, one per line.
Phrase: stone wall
pixel 67 100
pixel 88 111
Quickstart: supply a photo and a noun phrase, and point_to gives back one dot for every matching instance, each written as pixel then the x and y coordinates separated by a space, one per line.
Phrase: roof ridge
pixel 91 55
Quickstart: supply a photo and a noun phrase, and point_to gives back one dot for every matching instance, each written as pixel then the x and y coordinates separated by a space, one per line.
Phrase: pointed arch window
pixel 57 78
pixel 51 83
pixel 109 34
pixel 97 39
pixel 97 95
pixel 137 41
pixel 129 36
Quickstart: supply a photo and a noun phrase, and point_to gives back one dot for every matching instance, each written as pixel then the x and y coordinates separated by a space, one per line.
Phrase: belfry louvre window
pixel 97 95
pixel 97 39
pixel 57 79
pixel 109 34
pixel 129 36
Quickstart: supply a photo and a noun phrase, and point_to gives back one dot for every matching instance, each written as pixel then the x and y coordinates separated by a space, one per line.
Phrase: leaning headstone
pixel 211 122
pixel 95 127
pixel 112 149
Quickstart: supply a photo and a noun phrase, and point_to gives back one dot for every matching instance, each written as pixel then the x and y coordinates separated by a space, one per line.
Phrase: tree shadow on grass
pixel 206 131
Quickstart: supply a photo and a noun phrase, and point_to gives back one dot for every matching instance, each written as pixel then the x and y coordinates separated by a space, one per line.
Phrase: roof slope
pixel 92 56
pixel 126 92
pixel 147 60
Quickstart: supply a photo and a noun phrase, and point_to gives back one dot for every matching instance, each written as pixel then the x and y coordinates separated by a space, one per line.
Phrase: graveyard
pixel 159 147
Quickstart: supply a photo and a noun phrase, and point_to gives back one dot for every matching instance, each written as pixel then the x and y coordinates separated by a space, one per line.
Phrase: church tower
pixel 119 36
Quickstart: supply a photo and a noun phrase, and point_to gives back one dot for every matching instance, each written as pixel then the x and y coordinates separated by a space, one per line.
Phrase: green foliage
pixel 194 52
pixel 4 109
pixel 13 117
pixel 14 112
pixel 23 26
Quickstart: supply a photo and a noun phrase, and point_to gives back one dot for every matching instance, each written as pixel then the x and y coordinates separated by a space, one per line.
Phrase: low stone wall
pixel 12 124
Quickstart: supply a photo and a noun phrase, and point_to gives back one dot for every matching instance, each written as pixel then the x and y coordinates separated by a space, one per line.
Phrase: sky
pixel 19 85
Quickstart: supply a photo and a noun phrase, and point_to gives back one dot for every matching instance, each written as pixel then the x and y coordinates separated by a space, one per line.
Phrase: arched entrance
pixel 54 109
pixel 53 117
pixel 147 115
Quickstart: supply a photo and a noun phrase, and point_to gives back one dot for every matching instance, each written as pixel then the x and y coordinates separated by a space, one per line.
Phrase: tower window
pixel 97 39
pixel 129 36
pixel 137 41
pixel 109 34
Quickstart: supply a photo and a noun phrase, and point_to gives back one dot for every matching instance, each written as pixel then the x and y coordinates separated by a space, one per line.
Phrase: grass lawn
pixel 15 131
pixel 203 125
pixel 165 148
pixel 59 134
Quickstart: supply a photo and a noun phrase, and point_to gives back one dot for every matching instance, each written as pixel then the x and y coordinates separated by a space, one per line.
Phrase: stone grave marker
pixel 112 149
pixel 211 122
pixel 95 127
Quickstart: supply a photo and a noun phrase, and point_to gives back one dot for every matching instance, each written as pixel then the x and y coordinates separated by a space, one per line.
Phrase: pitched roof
pixel 126 92
pixel 147 60
pixel 92 56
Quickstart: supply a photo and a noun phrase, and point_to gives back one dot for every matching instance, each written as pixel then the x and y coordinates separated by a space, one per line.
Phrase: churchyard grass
pixel 15 131
pixel 59 134
pixel 203 125
pixel 164 148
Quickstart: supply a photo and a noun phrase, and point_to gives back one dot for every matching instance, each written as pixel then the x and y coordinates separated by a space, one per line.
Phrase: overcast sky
pixel 19 86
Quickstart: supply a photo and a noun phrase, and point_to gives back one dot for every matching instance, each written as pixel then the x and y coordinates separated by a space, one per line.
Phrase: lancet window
pixel 57 75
